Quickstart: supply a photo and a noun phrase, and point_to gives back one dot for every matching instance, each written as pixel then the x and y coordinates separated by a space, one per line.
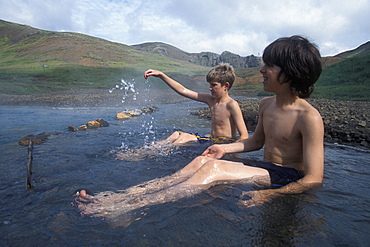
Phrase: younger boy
pixel 226 116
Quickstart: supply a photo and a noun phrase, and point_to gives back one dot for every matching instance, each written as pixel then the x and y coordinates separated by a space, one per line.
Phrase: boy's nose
pixel 262 69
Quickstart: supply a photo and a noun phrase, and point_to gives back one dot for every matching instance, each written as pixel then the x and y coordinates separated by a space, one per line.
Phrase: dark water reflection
pixel 335 215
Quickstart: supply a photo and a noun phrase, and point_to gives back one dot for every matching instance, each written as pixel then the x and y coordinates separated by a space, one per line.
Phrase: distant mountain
pixel 362 50
pixel 209 59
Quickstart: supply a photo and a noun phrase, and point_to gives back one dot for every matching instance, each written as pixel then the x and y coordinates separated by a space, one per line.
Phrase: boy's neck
pixel 223 98
pixel 285 99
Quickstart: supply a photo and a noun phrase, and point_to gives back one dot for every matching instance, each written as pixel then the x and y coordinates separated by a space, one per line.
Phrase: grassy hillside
pixel 346 80
pixel 342 78
pixel 37 61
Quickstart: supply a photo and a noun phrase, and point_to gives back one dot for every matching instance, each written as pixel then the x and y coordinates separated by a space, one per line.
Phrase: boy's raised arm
pixel 177 87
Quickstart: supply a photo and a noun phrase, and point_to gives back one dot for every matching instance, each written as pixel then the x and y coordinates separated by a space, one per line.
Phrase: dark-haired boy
pixel 289 128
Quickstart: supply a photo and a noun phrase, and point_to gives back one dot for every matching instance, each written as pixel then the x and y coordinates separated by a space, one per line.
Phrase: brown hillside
pixel 71 48
pixel 83 51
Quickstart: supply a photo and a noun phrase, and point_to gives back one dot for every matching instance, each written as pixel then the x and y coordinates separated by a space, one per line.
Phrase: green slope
pixel 73 60
pixel 346 80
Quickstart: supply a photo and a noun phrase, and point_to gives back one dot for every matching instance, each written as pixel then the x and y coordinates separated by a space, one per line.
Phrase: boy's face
pixel 217 90
pixel 271 78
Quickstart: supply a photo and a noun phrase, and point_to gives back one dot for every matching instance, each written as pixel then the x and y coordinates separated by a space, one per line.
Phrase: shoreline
pixel 346 122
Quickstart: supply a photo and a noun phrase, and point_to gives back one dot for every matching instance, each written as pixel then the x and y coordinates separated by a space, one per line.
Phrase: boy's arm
pixel 177 87
pixel 237 117
pixel 312 130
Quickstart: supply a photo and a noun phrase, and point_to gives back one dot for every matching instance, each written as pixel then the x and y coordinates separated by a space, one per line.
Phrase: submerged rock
pixel 72 128
pixel 102 122
pixel 122 115
pixel 91 124
pixel 36 139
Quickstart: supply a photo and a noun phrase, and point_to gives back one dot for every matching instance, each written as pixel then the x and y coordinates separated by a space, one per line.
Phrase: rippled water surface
pixel 336 215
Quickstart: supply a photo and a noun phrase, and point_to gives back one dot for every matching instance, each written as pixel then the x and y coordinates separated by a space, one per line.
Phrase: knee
pixel 197 163
pixel 201 159
pixel 175 135
pixel 208 168
pixel 209 172
pixel 184 138
pixel 210 165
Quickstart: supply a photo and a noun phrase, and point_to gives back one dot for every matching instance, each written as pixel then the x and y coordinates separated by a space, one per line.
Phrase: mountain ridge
pixel 24 35
pixel 209 59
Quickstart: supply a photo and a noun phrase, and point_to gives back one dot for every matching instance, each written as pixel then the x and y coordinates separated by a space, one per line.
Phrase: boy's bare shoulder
pixel 309 111
pixel 267 100
pixel 264 102
pixel 231 102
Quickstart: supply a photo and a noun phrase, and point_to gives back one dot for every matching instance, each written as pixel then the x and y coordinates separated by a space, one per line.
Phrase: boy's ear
pixel 227 85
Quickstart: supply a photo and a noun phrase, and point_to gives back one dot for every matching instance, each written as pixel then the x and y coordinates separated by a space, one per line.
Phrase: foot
pixel 82 196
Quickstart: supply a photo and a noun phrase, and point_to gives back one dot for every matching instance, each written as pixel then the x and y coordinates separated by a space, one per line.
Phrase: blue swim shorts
pixel 280 176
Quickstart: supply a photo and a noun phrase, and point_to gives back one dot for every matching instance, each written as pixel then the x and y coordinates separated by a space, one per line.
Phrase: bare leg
pixel 185 138
pixel 172 137
pixel 160 147
pixel 223 170
pixel 108 199
pixel 177 138
pixel 208 173
pixel 202 173
pixel 158 184
pixel 165 182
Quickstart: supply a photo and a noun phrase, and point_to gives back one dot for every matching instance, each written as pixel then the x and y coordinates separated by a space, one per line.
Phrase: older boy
pixel 290 130
pixel 226 116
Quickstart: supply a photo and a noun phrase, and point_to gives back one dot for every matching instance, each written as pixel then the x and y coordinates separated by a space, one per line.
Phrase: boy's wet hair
pixel 222 73
pixel 298 59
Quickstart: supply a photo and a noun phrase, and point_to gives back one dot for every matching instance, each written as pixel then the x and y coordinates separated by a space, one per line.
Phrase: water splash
pixel 128 88
pixel 147 131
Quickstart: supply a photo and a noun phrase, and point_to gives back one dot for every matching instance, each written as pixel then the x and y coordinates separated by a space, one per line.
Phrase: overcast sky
pixel 243 27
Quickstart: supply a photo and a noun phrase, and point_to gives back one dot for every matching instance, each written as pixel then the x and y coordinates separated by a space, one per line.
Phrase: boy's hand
pixel 152 72
pixel 257 198
pixel 214 151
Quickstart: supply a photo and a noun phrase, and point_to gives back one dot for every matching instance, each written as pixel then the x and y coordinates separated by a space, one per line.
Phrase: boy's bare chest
pixel 281 126
pixel 219 112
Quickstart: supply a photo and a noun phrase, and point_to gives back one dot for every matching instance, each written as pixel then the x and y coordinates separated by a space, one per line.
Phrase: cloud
pixel 242 27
